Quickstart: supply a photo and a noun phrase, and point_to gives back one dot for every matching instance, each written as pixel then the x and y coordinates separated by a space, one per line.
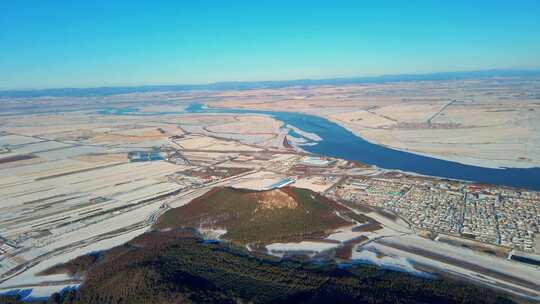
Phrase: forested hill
pixel 177 267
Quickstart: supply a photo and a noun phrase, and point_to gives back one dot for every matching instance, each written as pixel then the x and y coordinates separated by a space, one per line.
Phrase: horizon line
pixel 251 84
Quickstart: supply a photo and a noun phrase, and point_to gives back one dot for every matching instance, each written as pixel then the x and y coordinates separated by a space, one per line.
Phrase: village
pixel 494 215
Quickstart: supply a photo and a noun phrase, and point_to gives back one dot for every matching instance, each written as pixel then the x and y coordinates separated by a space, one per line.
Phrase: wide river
pixel 341 143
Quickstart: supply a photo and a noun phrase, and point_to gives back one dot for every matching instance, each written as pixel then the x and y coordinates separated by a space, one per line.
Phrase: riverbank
pixel 339 142
pixel 454 154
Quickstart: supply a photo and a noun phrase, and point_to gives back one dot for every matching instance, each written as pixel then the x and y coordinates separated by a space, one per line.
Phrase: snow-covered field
pixel 309 247
pixel 371 254
pixel 262 180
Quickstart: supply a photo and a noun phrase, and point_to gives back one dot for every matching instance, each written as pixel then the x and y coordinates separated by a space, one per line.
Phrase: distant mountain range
pixel 238 85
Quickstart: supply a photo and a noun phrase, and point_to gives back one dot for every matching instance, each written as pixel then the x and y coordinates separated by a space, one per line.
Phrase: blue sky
pixel 108 43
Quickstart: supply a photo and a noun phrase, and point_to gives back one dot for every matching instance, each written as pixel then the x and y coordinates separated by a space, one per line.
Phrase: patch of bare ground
pixel 274 199
pixel 345 252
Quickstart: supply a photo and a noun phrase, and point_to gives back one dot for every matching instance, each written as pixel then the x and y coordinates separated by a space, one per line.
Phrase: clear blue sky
pixel 95 43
